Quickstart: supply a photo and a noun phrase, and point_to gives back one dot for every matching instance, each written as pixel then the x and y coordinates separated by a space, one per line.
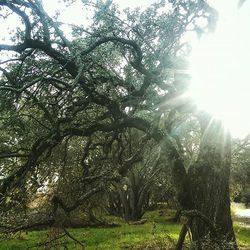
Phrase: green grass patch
pixel 158 231
pixel 123 237
pixel 243 236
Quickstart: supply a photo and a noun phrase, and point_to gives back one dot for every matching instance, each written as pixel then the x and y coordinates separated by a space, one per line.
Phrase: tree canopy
pixel 118 73
pixel 69 102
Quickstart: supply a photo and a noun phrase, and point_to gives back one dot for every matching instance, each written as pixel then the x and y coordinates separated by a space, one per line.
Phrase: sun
pixel 220 70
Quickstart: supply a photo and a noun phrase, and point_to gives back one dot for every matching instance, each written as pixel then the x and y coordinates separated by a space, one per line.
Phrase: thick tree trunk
pixel 209 181
pixel 205 187
pixel 183 188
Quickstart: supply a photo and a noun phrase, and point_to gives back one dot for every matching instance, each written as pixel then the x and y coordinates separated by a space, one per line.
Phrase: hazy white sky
pixel 220 69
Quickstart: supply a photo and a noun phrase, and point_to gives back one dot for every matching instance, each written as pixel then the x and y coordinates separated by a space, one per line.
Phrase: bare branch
pixel 57 201
pixel 22 14
pixel 69 65
pixel 137 63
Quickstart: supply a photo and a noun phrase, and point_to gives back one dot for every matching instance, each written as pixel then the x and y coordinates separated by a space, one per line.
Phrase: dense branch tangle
pixel 71 84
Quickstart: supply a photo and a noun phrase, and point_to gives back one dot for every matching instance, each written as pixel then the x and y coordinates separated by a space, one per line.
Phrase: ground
pixel 157 233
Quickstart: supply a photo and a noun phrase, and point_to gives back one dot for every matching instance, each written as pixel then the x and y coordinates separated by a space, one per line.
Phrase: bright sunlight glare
pixel 220 69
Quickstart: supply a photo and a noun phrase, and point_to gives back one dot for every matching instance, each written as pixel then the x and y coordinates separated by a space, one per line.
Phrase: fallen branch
pixel 139 222
pixel 7 229
pixel 191 215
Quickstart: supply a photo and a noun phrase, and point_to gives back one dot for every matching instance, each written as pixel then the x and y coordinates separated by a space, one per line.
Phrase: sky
pixel 220 69
pixel 218 64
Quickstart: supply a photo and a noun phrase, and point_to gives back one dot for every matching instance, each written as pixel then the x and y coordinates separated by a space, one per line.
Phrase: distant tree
pixel 240 177
pixel 132 194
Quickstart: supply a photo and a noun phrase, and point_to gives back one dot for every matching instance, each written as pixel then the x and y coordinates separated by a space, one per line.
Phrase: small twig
pixel 74 239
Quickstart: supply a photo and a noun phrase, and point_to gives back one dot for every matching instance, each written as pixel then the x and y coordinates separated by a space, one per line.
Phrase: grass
pixel 156 231
pixel 243 237
pixel 103 238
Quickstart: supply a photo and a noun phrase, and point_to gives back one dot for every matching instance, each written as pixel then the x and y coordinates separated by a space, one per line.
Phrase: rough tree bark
pixel 205 186
pixel 209 180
